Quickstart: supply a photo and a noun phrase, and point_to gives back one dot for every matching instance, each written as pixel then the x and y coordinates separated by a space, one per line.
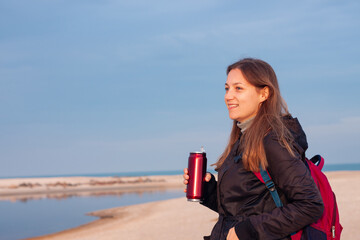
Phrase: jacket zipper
pixel 334 219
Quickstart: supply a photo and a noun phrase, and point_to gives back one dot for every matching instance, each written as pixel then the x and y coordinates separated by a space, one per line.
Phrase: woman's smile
pixel 232 106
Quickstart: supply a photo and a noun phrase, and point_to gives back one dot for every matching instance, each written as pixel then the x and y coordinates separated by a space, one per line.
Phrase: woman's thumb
pixel 207 177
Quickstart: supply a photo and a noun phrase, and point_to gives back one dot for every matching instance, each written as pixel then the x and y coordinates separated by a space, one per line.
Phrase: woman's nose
pixel 229 95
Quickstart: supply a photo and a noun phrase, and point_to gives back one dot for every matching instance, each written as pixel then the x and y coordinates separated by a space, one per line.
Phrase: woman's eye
pixel 238 88
pixel 226 89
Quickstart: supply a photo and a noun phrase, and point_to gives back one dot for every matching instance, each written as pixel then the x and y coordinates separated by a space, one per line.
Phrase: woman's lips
pixel 232 106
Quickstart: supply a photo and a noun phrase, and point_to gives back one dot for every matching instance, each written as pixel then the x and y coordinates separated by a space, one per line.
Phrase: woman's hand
pixel 232 234
pixel 186 177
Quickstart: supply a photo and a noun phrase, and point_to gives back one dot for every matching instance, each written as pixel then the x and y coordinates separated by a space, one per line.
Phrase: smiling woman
pixel 264 135
pixel 251 88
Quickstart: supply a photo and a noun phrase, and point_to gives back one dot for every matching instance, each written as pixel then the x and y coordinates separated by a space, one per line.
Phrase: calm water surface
pixel 30 218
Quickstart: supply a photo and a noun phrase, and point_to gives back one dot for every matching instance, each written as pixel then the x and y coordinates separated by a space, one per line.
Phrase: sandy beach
pixel 169 219
pixel 62 187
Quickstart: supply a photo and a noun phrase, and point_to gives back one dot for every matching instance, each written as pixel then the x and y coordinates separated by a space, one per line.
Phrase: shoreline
pixel 125 222
pixel 170 219
pixel 36 188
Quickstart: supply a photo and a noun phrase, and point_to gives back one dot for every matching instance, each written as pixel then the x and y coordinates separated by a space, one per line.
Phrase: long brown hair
pixel 260 74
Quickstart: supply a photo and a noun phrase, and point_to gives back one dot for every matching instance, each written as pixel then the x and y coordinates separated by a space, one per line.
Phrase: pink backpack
pixel 328 227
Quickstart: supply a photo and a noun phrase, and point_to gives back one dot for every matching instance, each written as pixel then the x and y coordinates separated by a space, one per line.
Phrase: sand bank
pixel 178 219
pixel 63 187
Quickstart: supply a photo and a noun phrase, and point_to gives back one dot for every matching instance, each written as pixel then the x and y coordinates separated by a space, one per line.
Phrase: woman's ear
pixel 264 94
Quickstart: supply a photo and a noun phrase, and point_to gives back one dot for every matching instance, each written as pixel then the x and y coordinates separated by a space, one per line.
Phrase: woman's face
pixel 241 98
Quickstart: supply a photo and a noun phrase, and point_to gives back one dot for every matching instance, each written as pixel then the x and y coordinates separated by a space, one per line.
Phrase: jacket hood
pixel 298 133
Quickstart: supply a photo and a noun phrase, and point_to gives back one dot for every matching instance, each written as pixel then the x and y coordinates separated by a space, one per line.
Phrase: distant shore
pixel 173 219
pixel 35 188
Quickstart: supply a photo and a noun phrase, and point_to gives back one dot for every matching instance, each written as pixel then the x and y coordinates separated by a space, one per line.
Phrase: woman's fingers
pixel 207 177
pixel 186 176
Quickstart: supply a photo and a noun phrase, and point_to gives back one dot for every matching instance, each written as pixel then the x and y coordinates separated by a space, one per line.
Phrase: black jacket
pixel 243 201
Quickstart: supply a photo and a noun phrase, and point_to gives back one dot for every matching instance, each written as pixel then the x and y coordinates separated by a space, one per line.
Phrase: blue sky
pixel 119 86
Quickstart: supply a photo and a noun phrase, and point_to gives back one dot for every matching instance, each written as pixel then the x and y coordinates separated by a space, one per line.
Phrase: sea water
pixel 30 218
pixel 327 167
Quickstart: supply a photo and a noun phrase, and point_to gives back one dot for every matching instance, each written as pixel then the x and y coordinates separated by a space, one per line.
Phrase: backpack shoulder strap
pixel 270 186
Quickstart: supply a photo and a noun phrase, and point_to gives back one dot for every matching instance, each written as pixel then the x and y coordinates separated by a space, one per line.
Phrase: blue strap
pixel 271 186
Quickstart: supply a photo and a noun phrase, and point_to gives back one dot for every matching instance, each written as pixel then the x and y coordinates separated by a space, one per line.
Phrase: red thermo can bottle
pixel 196 170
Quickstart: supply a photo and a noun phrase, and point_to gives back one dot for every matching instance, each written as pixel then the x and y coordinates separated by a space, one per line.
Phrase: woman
pixel 263 134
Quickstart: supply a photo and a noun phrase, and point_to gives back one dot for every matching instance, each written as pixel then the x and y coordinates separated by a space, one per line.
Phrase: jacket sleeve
pixel 210 194
pixel 304 203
